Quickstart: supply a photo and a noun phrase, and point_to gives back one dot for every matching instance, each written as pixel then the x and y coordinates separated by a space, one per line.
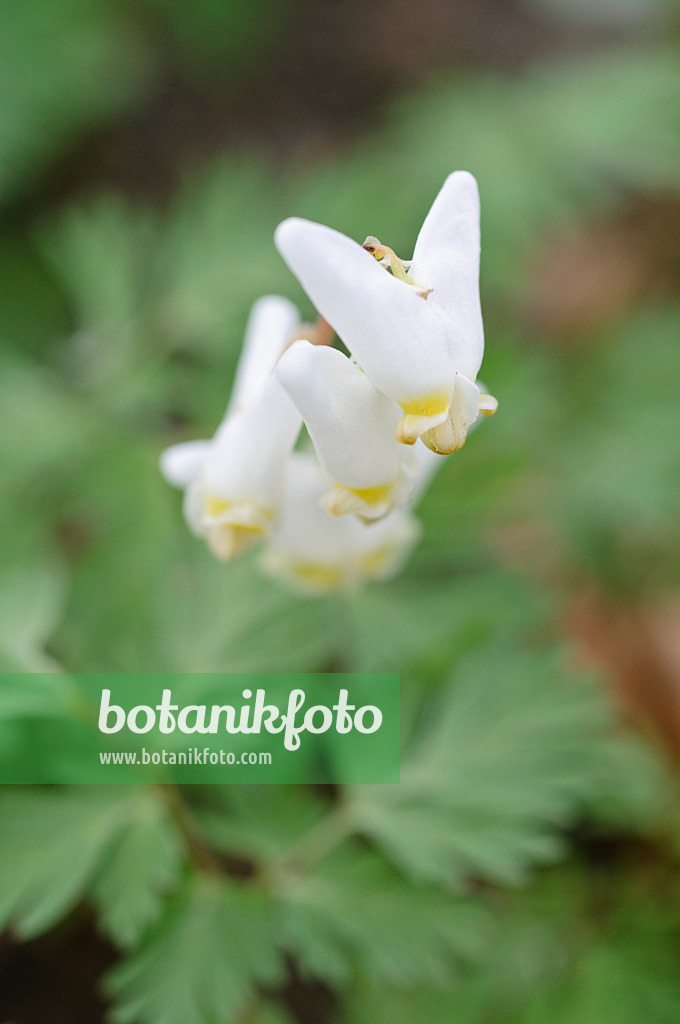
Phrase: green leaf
pixel 357 911
pixel 204 960
pixel 501 762
pixel 53 844
pixel 31 599
pixel 620 506
pixel 269 1013
pixel 582 946
pixel 260 823
pixel 69 68
pixel 431 615
pixel 141 868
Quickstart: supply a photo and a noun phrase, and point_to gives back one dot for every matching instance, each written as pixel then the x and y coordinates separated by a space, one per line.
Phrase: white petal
pixel 488 405
pixel 228 527
pixel 248 457
pixel 351 425
pixel 304 530
pixel 234 502
pixel 425 463
pixel 180 464
pixel 315 554
pixel 387 545
pixel 194 506
pixel 394 334
pixel 446 259
pixel 271 325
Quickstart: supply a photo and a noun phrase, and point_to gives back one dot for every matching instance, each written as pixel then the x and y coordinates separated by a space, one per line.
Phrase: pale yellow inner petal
pixel 420 415
pixel 233 527
pixel 487 405
pixel 367 501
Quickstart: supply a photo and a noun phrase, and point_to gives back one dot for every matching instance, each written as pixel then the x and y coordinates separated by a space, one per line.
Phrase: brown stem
pixel 199 853
pixel 250 1011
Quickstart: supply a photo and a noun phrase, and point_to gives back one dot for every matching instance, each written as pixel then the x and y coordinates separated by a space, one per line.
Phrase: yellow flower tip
pixel 245 514
pixel 420 416
pixel 441 443
pixel 216 506
pixel 408 430
pixel 367 502
pixel 316 575
pixel 303 576
pixel 226 542
pixel 487 405
pixel 231 527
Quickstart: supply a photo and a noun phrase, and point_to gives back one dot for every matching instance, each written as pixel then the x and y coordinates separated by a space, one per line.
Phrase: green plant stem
pixel 199 853
pixel 314 847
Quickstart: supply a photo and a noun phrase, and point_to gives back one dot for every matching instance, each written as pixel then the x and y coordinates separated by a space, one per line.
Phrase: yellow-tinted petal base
pixel 302 576
pixel 420 415
pixel 231 527
pixel 226 542
pixel 368 502
pixel 466 404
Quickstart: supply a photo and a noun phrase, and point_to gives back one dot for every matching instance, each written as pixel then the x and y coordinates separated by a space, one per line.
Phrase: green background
pixel 526 868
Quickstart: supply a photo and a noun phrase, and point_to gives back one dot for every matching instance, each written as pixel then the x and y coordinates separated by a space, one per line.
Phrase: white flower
pixel 315 553
pixel 351 425
pixel 234 482
pixel 418 336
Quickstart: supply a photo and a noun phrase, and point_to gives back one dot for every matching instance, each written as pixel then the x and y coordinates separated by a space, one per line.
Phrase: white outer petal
pixel 247 460
pixel 304 531
pixel 350 422
pixel 386 546
pixel 424 464
pixel 394 334
pixel 314 552
pixel 180 464
pixel 272 323
pixel 446 259
pixel 194 506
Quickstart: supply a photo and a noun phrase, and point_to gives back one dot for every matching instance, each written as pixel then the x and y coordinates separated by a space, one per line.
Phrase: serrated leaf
pixel 53 844
pixel 355 910
pixel 204 960
pixel 31 599
pixel 260 822
pixel 501 762
pixel 72 66
pixel 554 957
pixel 141 868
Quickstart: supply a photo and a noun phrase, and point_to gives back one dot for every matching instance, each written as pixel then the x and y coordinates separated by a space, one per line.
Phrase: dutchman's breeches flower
pixel 379 421
pixel 315 553
pixel 234 483
pixel 351 425
pixel 418 335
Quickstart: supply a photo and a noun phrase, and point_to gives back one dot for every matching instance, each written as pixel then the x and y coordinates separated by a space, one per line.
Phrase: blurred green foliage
pixel 119 328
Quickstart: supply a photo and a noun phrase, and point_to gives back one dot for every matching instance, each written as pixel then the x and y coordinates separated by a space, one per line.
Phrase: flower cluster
pixel 337 513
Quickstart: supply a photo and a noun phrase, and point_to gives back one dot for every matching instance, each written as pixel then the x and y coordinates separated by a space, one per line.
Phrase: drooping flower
pixel 314 553
pixel 351 424
pixel 417 335
pixel 234 483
